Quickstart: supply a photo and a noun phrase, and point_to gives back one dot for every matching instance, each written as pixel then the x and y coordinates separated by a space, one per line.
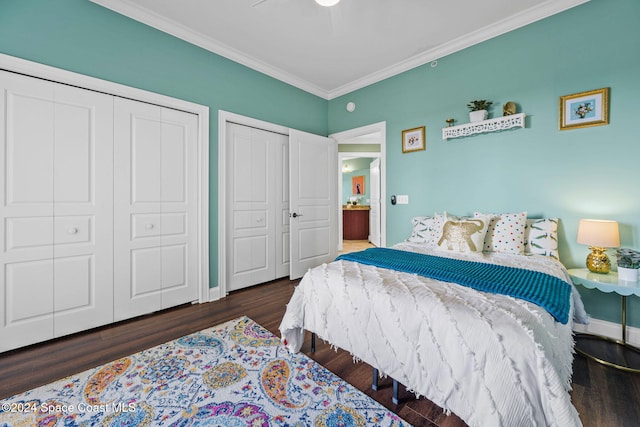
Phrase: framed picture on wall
pixel 584 109
pixel 413 140
pixel 357 185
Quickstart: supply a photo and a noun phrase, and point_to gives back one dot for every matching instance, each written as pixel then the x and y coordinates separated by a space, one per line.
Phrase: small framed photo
pixel 413 140
pixel 584 109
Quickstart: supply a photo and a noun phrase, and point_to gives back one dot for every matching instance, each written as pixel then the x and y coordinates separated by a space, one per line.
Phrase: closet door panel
pixel 174 151
pixel 27 303
pixel 155 207
pixel 282 206
pixel 78 290
pixel 146 161
pixel 75 134
pixel 251 206
pixel 176 282
pixel 137 209
pixel 83 210
pixel 146 276
pixel 57 203
pixel 27 120
pixel 179 207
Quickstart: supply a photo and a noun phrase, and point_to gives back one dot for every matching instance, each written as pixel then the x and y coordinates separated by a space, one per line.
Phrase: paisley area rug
pixel 234 374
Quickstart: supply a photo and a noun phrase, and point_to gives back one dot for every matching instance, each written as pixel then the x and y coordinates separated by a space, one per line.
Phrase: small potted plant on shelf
pixel 479 110
pixel 628 264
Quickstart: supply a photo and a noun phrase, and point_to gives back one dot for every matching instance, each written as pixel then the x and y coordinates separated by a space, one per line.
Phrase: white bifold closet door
pixel 55 210
pixel 155 192
pixel 257 200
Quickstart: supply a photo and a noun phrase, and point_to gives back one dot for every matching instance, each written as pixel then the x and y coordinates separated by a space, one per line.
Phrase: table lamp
pixel 599 234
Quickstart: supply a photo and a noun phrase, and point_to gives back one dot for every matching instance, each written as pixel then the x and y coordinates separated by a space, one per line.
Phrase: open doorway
pixel 361 160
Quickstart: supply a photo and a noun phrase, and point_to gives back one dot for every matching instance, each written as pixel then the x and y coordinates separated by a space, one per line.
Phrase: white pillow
pixel 505 233
pixel 423 229
pixel 463 234
pixel 541 237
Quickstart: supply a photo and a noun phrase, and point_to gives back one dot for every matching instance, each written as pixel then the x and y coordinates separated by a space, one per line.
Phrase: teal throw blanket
pixel 542 289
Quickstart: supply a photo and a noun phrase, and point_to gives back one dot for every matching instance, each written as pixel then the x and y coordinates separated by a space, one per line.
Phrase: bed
pixel 490 358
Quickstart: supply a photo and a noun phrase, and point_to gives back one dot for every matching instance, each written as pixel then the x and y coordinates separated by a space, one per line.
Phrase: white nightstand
pixel 607 283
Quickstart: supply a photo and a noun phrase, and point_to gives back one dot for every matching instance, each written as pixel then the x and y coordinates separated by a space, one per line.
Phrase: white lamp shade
pixel 600 233
pixel 327 2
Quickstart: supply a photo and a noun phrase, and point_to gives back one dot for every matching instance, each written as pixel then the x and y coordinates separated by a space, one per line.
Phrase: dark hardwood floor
pixel 603 396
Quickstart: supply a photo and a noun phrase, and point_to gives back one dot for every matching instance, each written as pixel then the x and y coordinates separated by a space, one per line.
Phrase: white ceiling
pixel 333 51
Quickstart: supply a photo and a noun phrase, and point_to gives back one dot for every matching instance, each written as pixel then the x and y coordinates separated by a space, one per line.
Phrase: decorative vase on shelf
pixel 478 115
pixel 628 274
pixel 478 110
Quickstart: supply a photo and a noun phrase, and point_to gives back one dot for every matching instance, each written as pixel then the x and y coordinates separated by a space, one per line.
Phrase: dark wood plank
pixel 602 396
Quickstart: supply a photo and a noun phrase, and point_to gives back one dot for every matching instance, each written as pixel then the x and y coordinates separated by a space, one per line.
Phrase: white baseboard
pixel 610 329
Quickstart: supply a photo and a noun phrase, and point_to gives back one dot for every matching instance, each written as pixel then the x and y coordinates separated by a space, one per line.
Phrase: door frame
pixel 225 117
pixel 34 69
pixel 355 155
pixel 354 136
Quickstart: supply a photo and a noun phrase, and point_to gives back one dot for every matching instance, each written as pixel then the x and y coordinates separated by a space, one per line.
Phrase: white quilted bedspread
pixel 491 359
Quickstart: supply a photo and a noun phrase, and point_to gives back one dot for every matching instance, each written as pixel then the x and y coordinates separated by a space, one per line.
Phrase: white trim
pixel 536 13
pixel 34 69
pixel 214 293
pixel 182 32
pixel 223 118
pixel 341 158
pixel 610 329
pixel 347 137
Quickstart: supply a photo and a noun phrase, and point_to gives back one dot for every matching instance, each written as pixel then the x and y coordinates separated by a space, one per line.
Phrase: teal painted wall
pixel 573 174
pixel 83 37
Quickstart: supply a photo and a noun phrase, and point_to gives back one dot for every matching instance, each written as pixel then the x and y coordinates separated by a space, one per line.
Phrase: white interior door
pixel 155 208
pixel 313 199
pixel 374 208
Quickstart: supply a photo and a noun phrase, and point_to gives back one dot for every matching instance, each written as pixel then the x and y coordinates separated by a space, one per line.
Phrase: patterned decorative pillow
pixel 427 229
pixel 505 233
pixel 463 234
pixel 423 229
pixel 541 237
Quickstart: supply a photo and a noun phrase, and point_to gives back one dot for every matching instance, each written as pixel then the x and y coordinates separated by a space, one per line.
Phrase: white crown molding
pixel 178 30
pixel 544 10
pixel 511 23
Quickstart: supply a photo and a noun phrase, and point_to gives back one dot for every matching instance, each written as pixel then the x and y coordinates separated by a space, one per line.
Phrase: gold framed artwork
pixel 584 109
pixel 413 139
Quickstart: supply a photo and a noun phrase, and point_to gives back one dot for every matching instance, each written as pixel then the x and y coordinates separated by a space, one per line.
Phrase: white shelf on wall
pixel 491 125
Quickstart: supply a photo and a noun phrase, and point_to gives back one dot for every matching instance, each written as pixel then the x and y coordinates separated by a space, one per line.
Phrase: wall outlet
pixel 403 200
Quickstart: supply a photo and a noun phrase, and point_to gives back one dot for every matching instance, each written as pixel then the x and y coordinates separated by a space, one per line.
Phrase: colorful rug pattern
pixel 235 375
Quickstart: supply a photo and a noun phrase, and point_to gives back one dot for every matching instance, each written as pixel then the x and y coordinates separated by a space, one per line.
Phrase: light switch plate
pixel 403 200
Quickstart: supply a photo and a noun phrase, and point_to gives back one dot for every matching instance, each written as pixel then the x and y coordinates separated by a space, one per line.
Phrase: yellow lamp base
pixel 598 261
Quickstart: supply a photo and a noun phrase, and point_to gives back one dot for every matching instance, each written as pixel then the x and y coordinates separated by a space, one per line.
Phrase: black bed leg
pixel 313 342
pixel 374 381
pixel 394 398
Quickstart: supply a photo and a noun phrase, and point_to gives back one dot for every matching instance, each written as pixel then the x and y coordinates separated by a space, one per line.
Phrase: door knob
pixel 295 215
